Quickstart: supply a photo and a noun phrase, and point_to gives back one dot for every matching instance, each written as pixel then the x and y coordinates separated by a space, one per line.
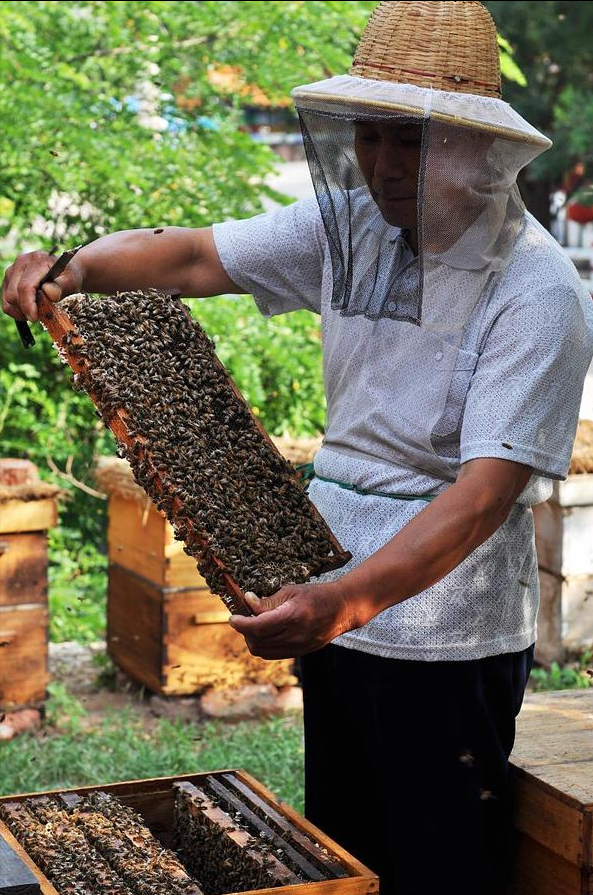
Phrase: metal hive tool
pixel 143 360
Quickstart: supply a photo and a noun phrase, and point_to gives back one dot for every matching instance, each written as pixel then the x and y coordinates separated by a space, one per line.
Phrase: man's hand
pixel 299 619
pixel 23 277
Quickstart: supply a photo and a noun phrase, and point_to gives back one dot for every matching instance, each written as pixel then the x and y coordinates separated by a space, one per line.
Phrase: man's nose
pixel 389 164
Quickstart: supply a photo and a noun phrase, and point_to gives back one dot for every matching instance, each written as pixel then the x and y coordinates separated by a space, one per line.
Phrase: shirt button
pixel 392 306
pixel 439 355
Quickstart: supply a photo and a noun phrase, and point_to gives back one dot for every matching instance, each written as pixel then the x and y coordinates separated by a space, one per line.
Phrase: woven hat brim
pixel 347 94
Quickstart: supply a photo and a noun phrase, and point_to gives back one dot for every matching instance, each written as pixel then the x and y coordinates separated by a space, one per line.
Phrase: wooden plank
pixel 134 627
pixel 577 612
pixel 577 543
pixel 549 646
pixel 554 743
pixel 588 850
pixel 217 656
pixel 28 515
pixel 232 801
pixel 23 665
pixel 45 886
pixel 285 827
pixel 548 820
pixel 23 568
pixel 155 636
pixel 540 871
pixel 15 877
pixel 548 518
pixel 355 867
pixel 570 783
pixel 187 608
pixel 140 539
pixel 136 537
pixel 576 491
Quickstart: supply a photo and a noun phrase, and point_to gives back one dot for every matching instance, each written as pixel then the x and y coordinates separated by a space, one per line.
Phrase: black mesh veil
pixel 467 207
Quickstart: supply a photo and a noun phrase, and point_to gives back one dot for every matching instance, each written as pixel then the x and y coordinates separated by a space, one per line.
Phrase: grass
pixel 120 747
pixel 576 676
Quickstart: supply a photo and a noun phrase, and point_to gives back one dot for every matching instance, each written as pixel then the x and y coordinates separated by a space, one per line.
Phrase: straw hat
pixel 446 46
pixel 438 58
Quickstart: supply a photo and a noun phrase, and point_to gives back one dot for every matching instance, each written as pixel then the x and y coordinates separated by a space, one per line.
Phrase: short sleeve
pixel 278 257
pixel 524 397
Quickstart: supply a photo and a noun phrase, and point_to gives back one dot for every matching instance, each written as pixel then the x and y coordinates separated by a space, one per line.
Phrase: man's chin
pixel 404 222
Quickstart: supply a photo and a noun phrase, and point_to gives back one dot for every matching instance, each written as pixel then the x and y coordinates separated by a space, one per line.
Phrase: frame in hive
pixel 193 443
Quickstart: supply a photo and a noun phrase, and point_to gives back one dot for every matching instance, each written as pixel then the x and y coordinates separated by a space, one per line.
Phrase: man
pixel 456 337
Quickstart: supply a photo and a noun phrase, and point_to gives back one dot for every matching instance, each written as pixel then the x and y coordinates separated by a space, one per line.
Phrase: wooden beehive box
pixel 28 507
pixel 165 628
pixel 552 764
pixel 564 536
pixel 154 800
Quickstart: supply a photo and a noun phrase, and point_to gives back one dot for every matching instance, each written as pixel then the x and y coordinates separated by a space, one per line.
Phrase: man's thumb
pixel 52 290
pixel 68 282
pixel 264 604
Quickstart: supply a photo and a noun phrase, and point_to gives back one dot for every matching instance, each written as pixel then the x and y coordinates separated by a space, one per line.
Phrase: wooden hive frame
pixel 57 322
pixel 154 799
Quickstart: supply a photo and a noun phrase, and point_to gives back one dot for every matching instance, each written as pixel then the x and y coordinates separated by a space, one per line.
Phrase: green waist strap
pixel 308 473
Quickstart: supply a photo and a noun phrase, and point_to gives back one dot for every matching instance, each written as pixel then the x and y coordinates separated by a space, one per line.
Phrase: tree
pixel 552 45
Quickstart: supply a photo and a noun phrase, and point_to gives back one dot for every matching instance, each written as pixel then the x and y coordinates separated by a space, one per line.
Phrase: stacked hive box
pixel 28 507
pixel 164 627
pixel 564 537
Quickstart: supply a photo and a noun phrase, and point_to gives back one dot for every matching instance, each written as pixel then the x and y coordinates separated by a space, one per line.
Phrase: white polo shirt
pixel 405 411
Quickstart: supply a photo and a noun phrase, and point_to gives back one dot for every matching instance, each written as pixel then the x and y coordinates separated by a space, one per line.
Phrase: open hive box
pixel 203 833
pixel 192 442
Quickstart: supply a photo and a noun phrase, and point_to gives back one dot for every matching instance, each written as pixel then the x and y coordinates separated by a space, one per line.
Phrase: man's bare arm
pixel 173 259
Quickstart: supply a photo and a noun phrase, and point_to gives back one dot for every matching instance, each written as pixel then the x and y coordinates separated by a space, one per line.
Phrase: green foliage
pixel 77 586
pixel 570 677
pixel 552 45
pixel 106 672
pixel 122 748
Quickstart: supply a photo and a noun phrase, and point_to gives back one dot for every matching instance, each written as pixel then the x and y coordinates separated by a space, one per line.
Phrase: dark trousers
pixel 406 765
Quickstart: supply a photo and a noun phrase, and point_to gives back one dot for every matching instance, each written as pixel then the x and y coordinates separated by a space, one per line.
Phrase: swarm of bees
pixel 195 447
pixel 95 845
pixel 226 839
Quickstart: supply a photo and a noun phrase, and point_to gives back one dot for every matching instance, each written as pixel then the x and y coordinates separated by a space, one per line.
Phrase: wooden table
pixel 553 768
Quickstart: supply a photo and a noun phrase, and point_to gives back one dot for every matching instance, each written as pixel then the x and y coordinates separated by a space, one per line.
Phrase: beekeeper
pixel 456 338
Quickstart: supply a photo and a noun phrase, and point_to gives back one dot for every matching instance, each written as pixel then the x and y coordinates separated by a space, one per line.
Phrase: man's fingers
pixel 265 625
pixel 265 604
pixel 21 282
pixel 27 291
pixel 12 310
